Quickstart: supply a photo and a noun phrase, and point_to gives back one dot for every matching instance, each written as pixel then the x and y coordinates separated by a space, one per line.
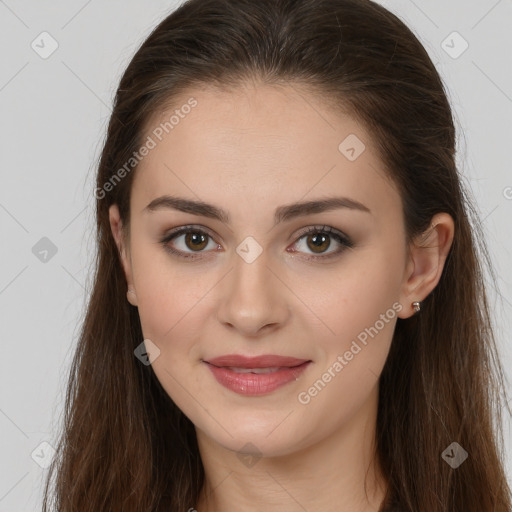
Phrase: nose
pixel 253 299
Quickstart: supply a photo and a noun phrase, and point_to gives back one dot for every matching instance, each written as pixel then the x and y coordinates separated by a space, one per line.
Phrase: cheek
pixel 172 315
pixel 354 296
pixel 360 309
pixel 166 289
pixel 169 306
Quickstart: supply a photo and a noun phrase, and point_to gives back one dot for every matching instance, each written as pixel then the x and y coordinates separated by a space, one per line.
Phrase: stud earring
pixel 416 306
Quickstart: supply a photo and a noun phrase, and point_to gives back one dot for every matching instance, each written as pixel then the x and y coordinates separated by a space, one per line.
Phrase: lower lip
pixel 256 383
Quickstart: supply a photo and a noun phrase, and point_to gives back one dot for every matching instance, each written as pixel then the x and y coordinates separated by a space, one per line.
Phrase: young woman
pixel 288 310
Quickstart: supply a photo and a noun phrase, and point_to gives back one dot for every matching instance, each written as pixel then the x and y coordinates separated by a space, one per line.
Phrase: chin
pixel 245 439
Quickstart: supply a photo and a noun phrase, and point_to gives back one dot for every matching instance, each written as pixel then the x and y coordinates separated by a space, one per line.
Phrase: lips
pixel 255 375
pixel 264 361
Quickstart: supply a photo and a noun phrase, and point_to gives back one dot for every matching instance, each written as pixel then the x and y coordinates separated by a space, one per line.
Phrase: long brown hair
pixel 125 446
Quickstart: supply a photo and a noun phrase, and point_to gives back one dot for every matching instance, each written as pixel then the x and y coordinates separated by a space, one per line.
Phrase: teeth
pixel 252 370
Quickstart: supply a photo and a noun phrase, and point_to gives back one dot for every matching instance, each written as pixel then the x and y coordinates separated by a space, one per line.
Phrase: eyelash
pixel 343 240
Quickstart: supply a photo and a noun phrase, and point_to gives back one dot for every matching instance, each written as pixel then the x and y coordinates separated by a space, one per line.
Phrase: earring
pixel 416 306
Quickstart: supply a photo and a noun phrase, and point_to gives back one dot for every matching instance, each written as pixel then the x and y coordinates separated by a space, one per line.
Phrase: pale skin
pixel 248 152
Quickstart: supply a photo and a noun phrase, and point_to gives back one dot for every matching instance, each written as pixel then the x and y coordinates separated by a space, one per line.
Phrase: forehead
pixel 258 141
pixel 271 118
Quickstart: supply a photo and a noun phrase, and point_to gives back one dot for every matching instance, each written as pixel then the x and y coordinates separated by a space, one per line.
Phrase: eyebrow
pixel 281 214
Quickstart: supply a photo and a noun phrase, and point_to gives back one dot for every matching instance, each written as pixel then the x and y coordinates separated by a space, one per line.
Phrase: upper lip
pixel 264 361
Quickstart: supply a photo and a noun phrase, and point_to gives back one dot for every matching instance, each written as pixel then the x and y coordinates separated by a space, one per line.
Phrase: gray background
pixel 54 115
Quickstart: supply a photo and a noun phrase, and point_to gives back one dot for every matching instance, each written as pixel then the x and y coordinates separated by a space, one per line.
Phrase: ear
pixel 117 231
pixel 427 256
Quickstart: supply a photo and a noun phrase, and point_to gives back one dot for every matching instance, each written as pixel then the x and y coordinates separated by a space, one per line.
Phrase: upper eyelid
pixel 179 230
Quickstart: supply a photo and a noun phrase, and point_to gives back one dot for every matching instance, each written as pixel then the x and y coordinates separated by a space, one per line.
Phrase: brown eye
pixel 318 242
pixel 186 241
pixel 196 241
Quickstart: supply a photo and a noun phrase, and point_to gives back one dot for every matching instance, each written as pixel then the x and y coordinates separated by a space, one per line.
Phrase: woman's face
pixel 248 279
